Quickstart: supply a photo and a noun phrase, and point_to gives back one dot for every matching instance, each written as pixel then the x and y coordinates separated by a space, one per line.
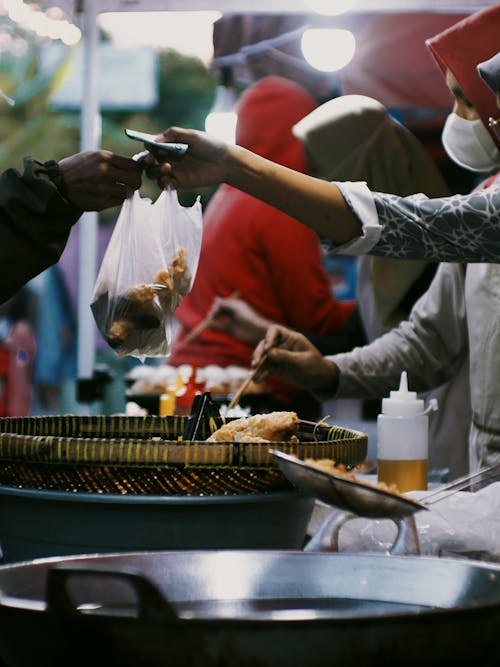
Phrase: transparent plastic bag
pixel 148 267
pixel 464 525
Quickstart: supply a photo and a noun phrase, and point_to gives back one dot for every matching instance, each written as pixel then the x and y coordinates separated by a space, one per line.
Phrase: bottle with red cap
pixel 184 397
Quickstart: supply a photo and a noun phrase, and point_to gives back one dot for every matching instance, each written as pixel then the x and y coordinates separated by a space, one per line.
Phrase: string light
pixel 328 49
pixel 50 24
pixel 325 49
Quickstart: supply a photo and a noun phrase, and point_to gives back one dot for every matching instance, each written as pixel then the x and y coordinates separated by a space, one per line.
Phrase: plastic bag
pixel 148 267
pixel 464 525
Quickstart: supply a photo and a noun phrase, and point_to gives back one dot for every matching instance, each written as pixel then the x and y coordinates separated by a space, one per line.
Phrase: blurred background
pixel 74 74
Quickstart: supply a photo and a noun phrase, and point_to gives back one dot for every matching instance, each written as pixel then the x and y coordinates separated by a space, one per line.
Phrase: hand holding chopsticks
pixel 296 360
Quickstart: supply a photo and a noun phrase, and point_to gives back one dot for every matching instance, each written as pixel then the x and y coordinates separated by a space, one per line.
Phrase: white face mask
pixel 469 144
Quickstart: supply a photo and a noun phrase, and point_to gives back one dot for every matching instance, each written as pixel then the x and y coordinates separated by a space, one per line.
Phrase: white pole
pixel 87 226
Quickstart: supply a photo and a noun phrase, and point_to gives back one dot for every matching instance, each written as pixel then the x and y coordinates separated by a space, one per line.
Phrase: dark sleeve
pixel 35 221
pixel 352 336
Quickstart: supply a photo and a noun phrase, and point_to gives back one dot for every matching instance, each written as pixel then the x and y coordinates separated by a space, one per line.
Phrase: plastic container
pixel 184 397
pixel 38 523
pixel 167 403
pixel 403 440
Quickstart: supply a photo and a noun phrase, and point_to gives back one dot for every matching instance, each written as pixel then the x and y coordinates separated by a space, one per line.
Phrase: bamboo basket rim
pixel 147 457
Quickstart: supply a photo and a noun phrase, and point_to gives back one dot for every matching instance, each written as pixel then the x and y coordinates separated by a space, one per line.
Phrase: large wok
pixel 249 609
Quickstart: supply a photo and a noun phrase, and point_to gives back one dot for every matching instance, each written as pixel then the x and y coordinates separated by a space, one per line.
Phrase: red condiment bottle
pixel 184 397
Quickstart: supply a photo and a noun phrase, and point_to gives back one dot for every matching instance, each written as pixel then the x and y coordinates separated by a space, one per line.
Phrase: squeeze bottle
pixel 167 402
pixel 184 397
pixel 402 439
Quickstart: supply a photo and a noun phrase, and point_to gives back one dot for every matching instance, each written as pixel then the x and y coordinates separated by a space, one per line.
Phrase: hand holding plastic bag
pixel 148 267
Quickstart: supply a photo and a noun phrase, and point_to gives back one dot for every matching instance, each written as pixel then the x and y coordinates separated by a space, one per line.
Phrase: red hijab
pixel 461 48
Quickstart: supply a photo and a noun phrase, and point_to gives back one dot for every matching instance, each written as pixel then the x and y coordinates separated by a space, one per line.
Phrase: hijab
pixel 354 138
pixel 490 73
pixel 461 48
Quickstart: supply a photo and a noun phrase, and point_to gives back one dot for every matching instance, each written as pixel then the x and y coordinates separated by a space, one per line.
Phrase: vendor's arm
pixel 291 356
pixel 430 346
pixel 447 229
pixel 208 161
pixel 457 228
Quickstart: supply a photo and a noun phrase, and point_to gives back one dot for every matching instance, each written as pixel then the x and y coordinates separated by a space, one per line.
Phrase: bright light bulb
pixel 71 35
pixel 331 8
pixel 328 49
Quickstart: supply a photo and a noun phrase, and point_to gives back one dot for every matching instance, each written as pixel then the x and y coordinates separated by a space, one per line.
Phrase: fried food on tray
pixel 329 466
pixel 271 427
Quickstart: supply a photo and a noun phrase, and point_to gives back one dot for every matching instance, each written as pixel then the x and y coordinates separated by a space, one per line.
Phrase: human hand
pixel 237 318
pixel 202 165
pixel 96 180
pixel 293 357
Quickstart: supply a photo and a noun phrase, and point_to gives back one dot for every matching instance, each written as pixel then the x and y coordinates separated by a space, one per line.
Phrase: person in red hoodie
pixel 272 261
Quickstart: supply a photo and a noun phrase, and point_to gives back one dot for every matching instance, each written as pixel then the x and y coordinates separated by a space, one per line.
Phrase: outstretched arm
pixel 457 228
pixel 208 161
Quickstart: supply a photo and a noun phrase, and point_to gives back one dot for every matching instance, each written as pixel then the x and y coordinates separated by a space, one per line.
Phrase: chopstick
pixel 462 483
pixel 202 325
pixel 245 384
pixel 252 374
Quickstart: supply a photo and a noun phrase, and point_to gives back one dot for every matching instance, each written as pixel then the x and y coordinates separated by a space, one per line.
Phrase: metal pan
pixel 249 609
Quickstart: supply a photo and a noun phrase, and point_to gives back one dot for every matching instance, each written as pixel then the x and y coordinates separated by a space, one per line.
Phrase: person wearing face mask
pixel 456 321
pixel 466 138
pixel 349 216
pixel 468 142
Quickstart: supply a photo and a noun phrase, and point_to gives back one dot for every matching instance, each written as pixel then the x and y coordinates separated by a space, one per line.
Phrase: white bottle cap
pixel 403 403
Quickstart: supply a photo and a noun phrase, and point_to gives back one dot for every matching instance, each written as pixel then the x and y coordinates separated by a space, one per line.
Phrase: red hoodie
pixel 273 261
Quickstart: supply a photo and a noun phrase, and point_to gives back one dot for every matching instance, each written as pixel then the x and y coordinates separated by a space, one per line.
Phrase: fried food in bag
pixel 148 267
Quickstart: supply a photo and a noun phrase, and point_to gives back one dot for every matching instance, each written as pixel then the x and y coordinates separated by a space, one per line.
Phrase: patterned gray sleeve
pixel 450 229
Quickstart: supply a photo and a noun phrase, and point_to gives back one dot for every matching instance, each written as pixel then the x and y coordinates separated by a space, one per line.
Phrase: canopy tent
pixel 269 6
pixel 85 12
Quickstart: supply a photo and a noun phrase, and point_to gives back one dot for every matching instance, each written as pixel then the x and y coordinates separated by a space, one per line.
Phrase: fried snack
pixel 176 279
pixel 179 272
pixel 271 427
pixel 329 466
pixel 118 332
pixel 135 321
pixel 142 294
pixel 164 278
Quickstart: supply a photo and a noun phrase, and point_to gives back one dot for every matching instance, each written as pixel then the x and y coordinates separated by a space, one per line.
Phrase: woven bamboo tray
pixel 146 455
